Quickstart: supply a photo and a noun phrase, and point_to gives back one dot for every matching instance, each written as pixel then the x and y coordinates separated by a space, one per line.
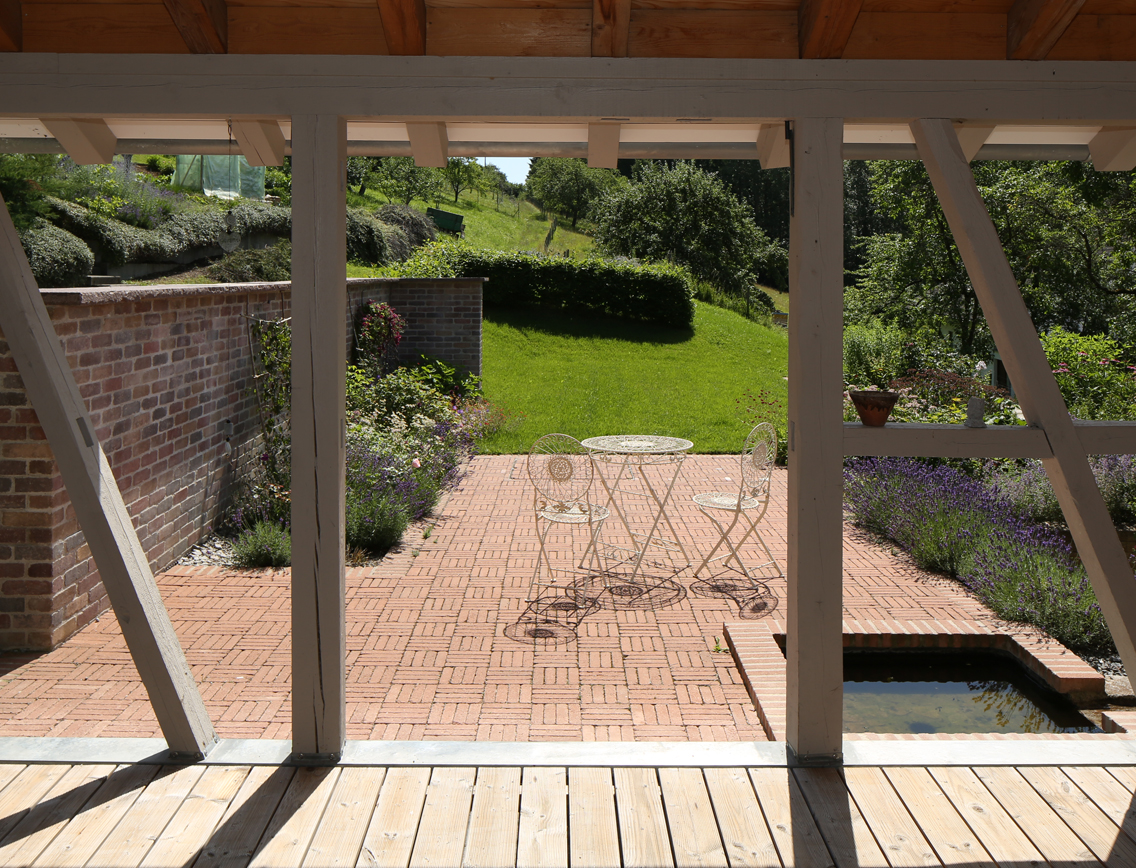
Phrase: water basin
pixel 965 692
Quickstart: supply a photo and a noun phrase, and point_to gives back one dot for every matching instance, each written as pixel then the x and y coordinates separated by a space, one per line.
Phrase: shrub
pixel 418 227
pixel 56 256
pixel 265 545
pixel 252 266
pixel 378 330
pixel 875 354
pixel 1095 382
pixel 398 246
pixel 446 379
pixel 942 396
pixel 365 241
pixel 1026 486
pixel 754 303
pixel 657 293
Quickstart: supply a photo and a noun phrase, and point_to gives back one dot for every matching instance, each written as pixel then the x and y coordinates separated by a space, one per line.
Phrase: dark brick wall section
pixel 163 369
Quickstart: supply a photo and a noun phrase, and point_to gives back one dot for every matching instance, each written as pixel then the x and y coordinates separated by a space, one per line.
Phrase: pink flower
pixel 415 463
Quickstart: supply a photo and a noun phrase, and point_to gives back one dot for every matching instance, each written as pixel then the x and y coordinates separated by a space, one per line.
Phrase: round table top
pixel 637 444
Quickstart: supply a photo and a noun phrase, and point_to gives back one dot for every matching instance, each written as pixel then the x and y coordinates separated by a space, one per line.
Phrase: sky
pixel 516 169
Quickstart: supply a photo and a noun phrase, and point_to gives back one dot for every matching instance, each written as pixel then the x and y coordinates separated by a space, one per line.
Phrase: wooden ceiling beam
pixel 11 26
pixel 824 27
pixel 429 143
pixel 1034 26
pixel 603 145
pixel 772 146
pixel 972 138
pixel 203 24
pixel 87 141
pixel 611 27
pixel 1113 149
pixel 262 142
pixel 404 25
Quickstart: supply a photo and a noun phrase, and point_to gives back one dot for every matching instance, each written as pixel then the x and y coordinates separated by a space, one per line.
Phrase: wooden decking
pixel 108 816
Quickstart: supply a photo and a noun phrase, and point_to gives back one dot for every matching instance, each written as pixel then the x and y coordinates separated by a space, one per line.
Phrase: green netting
pixel 222 176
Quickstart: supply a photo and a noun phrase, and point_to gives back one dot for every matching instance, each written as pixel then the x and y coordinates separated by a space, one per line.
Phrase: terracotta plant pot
pixel 873 407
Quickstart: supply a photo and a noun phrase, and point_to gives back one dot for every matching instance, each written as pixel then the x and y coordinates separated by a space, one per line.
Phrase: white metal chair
pixel 748 502
pixel 562 473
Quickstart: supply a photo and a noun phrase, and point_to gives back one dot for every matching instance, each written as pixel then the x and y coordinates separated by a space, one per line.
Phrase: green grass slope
pixel 551 373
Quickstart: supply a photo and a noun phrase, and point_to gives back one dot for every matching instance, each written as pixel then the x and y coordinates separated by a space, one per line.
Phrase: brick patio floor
pixel 426 655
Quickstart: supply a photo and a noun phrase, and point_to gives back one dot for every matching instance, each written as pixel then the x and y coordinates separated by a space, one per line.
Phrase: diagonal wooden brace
pixel 1014 333
pixel 91 485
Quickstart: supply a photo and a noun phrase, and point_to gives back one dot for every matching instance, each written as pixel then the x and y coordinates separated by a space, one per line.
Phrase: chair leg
pixel 723 537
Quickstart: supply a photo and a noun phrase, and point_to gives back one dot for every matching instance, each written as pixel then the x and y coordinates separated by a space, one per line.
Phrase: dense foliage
pixel 57 257
pixel 657 293
pixel 569 186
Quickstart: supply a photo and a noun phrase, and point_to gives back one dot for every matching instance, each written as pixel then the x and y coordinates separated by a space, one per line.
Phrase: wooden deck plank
pixel 542 836
pixel 246 817
pixel 745 836
pixel 790 821
pixel 642 821
pixel 79 839
pixel 882 808
pixel 129 842
pixel 494 818
pixel 690 817
pixel 1108 793
pixel 1088 822
pixel 946 831
pixel 1048 832
pixel 39 826
pixel 997 833
pixel 844 829
pixel 445 818
pixel 390 837
pixel 9 773
pixel 25 790
pixel 294 823
pixel 593 832
pixel 339 838
pixel 192 826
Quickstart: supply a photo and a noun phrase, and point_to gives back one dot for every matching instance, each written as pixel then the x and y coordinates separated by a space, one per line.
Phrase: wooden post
pixel 122 563
pixel 1014 333
pixel 814 649
pixel 319 369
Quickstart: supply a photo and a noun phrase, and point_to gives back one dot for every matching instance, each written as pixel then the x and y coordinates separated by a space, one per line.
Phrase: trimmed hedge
pixel 254 266
pixel 366 243
pixel 56 256
pixel 655 293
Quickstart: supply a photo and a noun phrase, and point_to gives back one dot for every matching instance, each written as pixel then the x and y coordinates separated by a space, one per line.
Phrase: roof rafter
pixel 429 144
pixel 603 145
pixel 11 26
pixel 87 141
pixel 203 24
pixel 611 27
pixel 262 142
pixel 1113 149
pixel 824 26
pixel 1034 26
pixel 404 25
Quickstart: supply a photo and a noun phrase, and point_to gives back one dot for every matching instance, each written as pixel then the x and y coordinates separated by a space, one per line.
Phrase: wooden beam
pixel 814 644
pixel 319 365
pixel 93 491
pixel 1106 438
pixel 1113 149
pixel 87 141
pixel 429 144
pixel 824 26
pixel 203 24
pixel 972 138
pixel 1016 338
pixel 772 146
pixel 11 26
pixel 262 142
pixel 603 145
pixel 611 22
pixel 404 25
pixel 1034 26
pixel 946 441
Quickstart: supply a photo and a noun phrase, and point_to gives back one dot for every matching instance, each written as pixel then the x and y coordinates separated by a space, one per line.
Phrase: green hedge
pixel 56 256
pixel 656 293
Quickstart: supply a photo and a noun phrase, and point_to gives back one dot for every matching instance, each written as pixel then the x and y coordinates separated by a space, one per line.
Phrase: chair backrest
pixel 560 468
pixel 758 458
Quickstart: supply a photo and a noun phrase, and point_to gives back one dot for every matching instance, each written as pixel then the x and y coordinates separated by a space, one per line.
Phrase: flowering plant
pixel 378 330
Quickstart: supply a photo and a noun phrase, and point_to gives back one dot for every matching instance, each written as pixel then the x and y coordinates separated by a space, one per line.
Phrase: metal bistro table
pixel 618 457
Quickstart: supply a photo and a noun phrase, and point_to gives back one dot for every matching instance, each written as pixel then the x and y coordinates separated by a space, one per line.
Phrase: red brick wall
pixel 161 369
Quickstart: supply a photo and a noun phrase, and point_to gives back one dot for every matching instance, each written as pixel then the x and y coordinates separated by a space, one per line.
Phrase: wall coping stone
pixel 118 293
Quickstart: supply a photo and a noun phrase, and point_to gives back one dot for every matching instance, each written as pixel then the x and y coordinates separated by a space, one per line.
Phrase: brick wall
pixel 165 373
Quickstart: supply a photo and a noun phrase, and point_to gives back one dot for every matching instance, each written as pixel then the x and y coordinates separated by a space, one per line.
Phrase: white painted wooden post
pixel 815 676
pixel 319 362
pixel 122 563
pixel 1036 388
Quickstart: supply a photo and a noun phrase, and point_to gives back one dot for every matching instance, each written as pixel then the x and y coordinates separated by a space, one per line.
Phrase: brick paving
pixel 426 654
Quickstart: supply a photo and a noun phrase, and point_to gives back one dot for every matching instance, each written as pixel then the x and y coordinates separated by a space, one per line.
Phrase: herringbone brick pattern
pixel 426 655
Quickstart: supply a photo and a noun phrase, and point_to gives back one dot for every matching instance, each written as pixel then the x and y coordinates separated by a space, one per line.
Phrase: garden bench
pixel 447 221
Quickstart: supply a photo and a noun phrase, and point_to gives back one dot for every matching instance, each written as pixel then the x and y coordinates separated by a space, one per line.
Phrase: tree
pixel 685 215
pixel 399 179
pixel 568 186
pixel 461 173
pixel 360 171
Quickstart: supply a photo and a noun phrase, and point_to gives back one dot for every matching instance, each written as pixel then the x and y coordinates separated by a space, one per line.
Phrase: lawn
pixel 587 377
